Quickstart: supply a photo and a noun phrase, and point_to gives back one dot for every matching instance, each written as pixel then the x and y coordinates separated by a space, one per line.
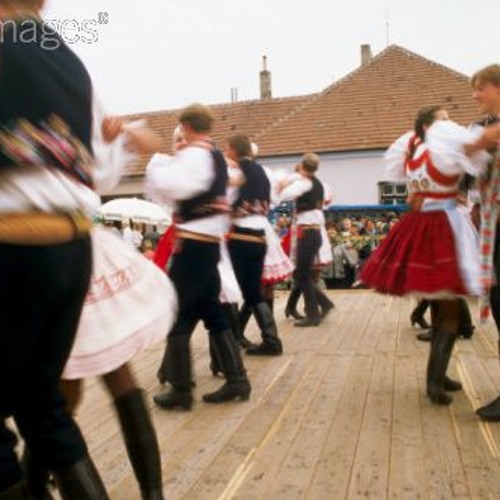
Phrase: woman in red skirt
pixel 433 252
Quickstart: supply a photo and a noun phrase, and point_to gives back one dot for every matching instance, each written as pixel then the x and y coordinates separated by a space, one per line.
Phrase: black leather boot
pixel 417 316
pixel 291 305
pixel 141 443
pixel 235 319
pixel 244 318
pixel 36 476
pixel 237 385
pixel 80 481
pixel 426 336
pixel 177 360
pixel 215 366
pixel 16 492
pixel 271 343
pixel 466 329
pixel 439 357
pixel 491 411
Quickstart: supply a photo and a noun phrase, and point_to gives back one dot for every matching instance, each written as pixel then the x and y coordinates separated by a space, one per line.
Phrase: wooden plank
pixel 297 471
pixel 334 467
pixel 406 473
pixel 371 467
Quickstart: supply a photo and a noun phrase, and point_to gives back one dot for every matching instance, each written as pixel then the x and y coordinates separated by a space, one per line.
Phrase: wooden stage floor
pixel 342 414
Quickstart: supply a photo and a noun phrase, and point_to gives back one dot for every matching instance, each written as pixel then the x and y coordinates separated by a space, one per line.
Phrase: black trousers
pixel 196 279
pixel 308 245
pixel 42 290
pixel 495 291
pixel 247 258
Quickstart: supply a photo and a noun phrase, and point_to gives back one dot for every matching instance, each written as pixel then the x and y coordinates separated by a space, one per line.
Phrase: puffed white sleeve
pixel 328 195
pixel 395 159
pixel 110 159
pixel 446 141
pixel 275 177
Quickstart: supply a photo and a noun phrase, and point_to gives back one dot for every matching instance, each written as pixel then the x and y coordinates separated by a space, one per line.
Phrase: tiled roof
pixel 371 106
pixel 245 117
pixel 367 109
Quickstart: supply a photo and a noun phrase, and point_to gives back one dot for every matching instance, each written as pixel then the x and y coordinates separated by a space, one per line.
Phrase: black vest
pixel 255 194
pixel 45 101
pixel 211 202
pixel 312 199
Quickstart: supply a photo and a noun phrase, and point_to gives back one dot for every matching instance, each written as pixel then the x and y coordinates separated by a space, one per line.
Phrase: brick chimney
pixel 265 81
pixel 366 54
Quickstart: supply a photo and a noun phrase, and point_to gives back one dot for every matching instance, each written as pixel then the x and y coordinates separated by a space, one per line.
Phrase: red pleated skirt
pixel 418 256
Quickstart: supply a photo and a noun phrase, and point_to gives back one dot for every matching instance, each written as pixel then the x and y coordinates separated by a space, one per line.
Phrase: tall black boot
pixel 237 385
pixel 16 492
pixel 417 315
pixel 215 365
pixel 177 361
pixel 141 443
pixel 491 411
pixel 324 303
pixel 244 317
pixel 80 481
pixel 439 357
pixel 36 476
pixel 291 305
pixel 271 344
pixel 466 328
pixel 234 317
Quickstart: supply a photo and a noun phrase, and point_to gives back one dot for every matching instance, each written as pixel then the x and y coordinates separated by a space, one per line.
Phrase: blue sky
pixel 161 54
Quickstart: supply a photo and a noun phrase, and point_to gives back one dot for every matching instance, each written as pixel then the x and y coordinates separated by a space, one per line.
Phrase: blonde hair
pixel 198 117
pixel 489 74
pixel 310 162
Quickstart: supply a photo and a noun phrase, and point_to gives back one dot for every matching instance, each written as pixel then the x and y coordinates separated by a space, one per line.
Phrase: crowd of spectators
pixel 353 239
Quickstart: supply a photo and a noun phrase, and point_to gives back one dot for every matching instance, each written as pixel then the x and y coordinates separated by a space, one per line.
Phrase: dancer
pixel 433 251
pixel 49 167
pixel 308 193
pixel 247 242
pixel 486 91
pixel 195 178
pixel 324 258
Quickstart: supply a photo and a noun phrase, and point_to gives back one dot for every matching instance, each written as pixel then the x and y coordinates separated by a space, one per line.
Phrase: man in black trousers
pixel 308 193
pixel 247 243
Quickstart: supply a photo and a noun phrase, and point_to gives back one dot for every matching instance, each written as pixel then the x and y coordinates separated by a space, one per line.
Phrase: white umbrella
pixel 136 209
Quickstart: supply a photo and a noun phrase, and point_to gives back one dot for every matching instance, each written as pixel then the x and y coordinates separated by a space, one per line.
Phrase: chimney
pixel 265 81
pixel 366 54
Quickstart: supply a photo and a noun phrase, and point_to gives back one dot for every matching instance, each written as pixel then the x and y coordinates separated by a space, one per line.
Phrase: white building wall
pixel 353 177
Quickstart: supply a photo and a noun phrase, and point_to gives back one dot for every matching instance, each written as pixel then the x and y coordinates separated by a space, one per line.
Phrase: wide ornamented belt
pixel 248 235
pixel 190 235
pixel 309 226
pixel 40 229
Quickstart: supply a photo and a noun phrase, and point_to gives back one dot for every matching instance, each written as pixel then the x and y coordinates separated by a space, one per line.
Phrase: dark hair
pixel 425 118
pixel 198 117
pixel 241 145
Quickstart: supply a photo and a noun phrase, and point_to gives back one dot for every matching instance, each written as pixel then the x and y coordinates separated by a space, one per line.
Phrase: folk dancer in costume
pixel 230 294
pixel 308 193
pixel 486 91
pixel 50 166
pixel 433 251
pixel 324 258
pixel 277 265
pixel 196 179
pixel 247 242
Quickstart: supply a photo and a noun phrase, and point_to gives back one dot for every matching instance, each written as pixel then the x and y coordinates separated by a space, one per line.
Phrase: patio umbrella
pixel 135 209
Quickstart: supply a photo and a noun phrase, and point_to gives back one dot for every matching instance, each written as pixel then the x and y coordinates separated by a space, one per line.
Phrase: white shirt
pixel 183 176
pixel 297 188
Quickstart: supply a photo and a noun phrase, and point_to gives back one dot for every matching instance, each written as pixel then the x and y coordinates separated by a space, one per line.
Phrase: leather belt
pixel 40 228
pixel 309 226
pixel 190 235
pixel 247 237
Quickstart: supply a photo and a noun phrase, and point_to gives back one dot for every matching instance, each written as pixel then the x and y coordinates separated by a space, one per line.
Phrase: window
pixel 392 193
